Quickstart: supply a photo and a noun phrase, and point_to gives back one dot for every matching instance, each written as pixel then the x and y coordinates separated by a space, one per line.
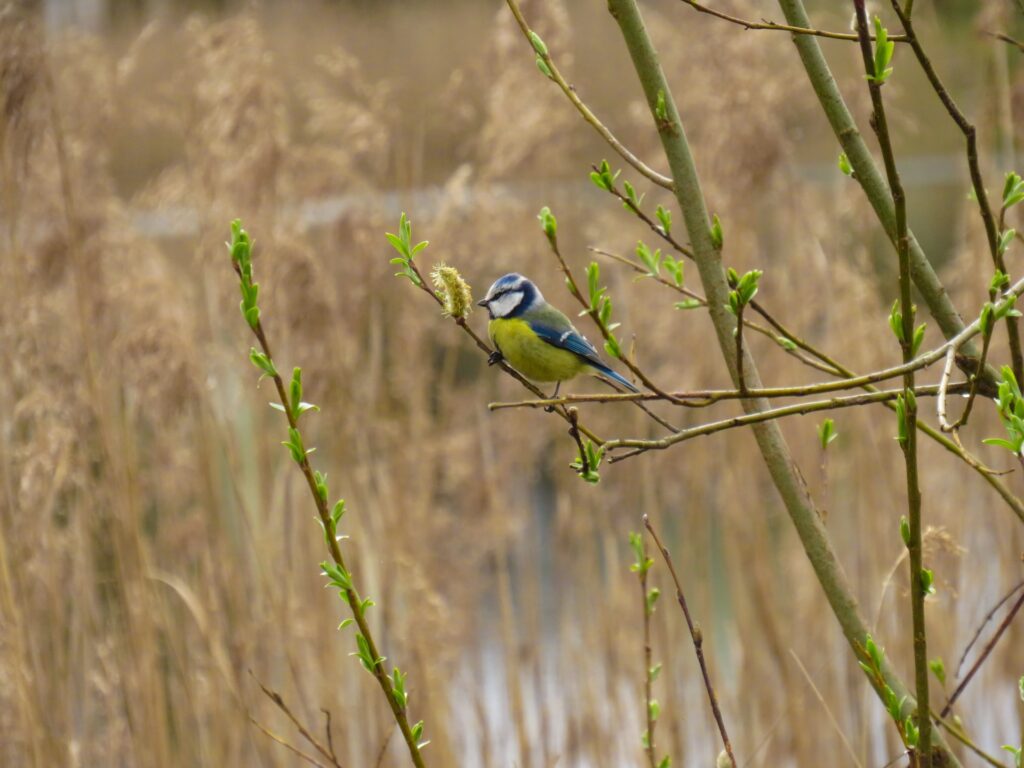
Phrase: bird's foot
pixel 496 357
pixel 551 408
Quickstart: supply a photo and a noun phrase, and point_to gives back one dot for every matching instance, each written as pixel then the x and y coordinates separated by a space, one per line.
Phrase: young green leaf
pixel 650 260
pixel 896 320
pixel 661 107
pixel 674 268
pixel 664 217
pixel 262 362
pixel 548 223
pixel 717 237
pixel 884 49
pixel 927 581
pixel 827 433
pixel 1013 190
pixel 538 44
pixel 918 339
pixel 688 304
pixel 1005 238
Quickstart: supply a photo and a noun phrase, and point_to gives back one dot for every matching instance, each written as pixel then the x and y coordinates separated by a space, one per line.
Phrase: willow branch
pixel 700 398
pixel 986 620
pixel 977 182
pixel 1007 39
pixel 772 26
pixel 287 745
pixel 698 641
pixel 1007 300
pixel 593 312
pixel 747 323
pixel 957 733
pixel 349 593
pixel 953 446
pixel 666 236
pixel 776 454
pixel 279 702
pixel 585 111
pixel 771 414
pixel 908 441
pixel 986 651
pixel 870 179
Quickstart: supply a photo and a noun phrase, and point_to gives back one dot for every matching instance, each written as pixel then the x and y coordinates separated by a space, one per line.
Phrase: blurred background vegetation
pixel 155 541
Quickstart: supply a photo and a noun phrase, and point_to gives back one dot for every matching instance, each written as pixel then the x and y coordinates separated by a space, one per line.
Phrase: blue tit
pixel 537 339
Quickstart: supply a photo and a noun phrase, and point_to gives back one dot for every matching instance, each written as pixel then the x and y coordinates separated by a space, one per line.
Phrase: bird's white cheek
pixel 505 304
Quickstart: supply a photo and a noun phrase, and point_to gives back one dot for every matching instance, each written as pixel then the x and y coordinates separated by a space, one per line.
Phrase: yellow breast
pixel 531 355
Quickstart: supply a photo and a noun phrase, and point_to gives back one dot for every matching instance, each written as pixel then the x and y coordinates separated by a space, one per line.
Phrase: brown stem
pixel 923 748
pixel 739 352
pixel 290 747
pixel 570 93
pixel 986 651
pixel 574 432
pixel 593 312
pixel 351 596
pixel 971 136
pixel 1007 39
pixel 648 685
pixel 279 702
pixel 698 640
pixel 986 620
pixel 772 26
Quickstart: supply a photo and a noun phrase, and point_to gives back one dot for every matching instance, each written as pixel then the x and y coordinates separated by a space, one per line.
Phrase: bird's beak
pixel 482 303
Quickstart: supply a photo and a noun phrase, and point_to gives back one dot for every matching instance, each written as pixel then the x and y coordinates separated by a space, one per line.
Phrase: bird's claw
pixel 495 357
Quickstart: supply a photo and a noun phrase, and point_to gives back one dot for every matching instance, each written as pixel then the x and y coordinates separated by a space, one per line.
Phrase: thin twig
pixel 574 432
pixel 923 747
pixel 986 620
pixel 594 314
pixel 981 194
pixel 698 640
pixel 752 325
pixel 989 647
pixel 350 594
pixel 383 748
pixel 757 417
pixel 308 758
pixel 648 683
pixel 872 182
pixel 1007 39
pixel 584 110
pixel 940 401
pixel 774 450
pixel 279 702
pixel 698 398
pixel 828 710
pixel 958 733
pixel 772 26
pixel 330 736
pixel 835 368
pixel 739 351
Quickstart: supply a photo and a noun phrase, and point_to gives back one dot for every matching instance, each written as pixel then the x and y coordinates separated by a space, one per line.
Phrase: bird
pixel 537 339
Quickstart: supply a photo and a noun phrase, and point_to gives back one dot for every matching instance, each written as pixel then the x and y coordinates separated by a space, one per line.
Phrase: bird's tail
pixel 607 373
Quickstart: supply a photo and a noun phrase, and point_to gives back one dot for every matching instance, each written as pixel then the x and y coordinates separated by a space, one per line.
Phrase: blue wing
pixel 567 338
pixel 573 341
